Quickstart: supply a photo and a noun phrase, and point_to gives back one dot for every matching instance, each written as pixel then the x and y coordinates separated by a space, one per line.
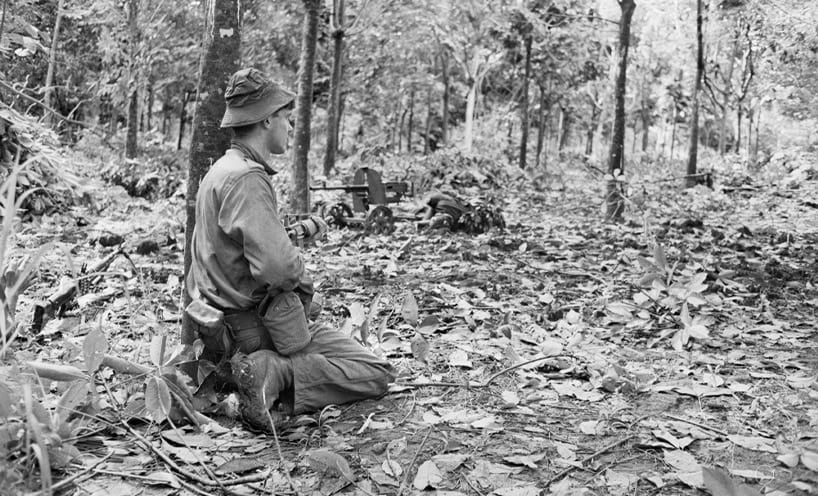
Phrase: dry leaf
pixel 409 309
pixel 459 358
pixel 720 484
pixel 755 443
pixel 428 475
pixel 326 462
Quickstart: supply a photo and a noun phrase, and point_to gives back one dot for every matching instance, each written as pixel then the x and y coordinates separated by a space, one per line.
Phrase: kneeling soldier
pixel 250 294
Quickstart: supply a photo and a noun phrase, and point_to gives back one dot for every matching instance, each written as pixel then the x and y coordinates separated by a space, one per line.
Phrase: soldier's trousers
pixel 334 369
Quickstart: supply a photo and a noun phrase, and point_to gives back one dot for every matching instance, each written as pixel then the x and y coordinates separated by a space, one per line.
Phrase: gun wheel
pixel 337 214
pixel 380 220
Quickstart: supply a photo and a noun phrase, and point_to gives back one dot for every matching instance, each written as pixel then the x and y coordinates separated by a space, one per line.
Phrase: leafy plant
pixel 15 272
pixel 667 293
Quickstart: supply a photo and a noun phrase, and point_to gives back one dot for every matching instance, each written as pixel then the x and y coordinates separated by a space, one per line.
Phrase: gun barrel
pixel 348 189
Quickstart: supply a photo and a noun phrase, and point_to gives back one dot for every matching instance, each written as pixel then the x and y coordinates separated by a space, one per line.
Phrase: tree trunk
pixel 334 110
pixel 673 134
pixel 166 108
pixel 52 60
pixel 428 126
pixel 3 20
pixel 589 137
pixel 750 118
pixel 726 99
pixel 183 114
pixel 754 151
pixel 613 198
pixel 219 60
pixel 151 98
pixel 690 178
pixel 524 105
pixel 470 101
pixel 565 128
pixel 300 200
pixel 739 115
pixel 131 140
pixel 645 124
pixel 401 122
pixel 411 119
pixel 444 64
pixel 540 127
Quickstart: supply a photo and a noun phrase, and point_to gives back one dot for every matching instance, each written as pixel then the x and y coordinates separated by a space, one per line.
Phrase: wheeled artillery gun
pixel 370 197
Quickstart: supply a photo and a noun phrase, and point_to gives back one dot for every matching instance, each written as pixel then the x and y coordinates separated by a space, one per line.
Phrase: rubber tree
pixel 692 157
pixel 52 59
pixel 219 60
pixel 131 140
pixel 614 200
pixel 336 20
pixel 300 200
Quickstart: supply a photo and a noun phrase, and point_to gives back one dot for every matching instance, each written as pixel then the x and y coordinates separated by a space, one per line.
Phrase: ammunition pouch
pixel 210 325
pixel 284 316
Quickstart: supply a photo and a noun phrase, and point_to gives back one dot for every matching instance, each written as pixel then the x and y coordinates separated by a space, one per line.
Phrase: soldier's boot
pixel 261 376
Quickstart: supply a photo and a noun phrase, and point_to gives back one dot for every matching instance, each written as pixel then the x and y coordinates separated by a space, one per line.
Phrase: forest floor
pixel 674 353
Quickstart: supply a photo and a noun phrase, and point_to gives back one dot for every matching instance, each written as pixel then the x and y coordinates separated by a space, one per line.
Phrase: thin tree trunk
pixel 540 127
pixel 151 98
pixel 411 119
pixel 306 68
pixel 444 64
pixel 565 132
pixel 739 115
pixel 3 19
pixel 691 178
pixel 470 102
pixel 645 125
pixel 754 154
pixel 750 118
pixel 52 59
pixel 183 114
pixel 401 122
pixel 220 58
pixel 428 127
pixel 673 134
pixel 524 106
pixel 726 99
pixel 589 137
pixel 613 197
pixel 131 141
pixel 334 110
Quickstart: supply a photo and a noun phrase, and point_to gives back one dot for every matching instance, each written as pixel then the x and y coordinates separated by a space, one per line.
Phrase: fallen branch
pixel 488 381
pixel 588 459
pixel 123 366
pixel 76 476
pixel 414 460
pixel 697 424
pixel 45 310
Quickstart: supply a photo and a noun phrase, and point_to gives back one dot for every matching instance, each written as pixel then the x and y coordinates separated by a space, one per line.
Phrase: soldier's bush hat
pixel 251 98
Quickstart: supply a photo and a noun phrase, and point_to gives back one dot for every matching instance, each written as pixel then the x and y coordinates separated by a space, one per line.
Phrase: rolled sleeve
pixel 249 216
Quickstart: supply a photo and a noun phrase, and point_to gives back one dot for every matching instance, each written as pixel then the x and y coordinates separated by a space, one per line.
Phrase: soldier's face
pixel 278 132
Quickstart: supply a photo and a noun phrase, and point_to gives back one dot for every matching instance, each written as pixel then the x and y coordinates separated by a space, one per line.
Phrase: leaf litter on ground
pixel 696 307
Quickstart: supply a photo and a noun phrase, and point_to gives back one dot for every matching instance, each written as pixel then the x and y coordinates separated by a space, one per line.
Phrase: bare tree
pixel 131 141
pixel 52 59
pixel 336 20
pixel 300 200
pixel 616 166
pixel 690 178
